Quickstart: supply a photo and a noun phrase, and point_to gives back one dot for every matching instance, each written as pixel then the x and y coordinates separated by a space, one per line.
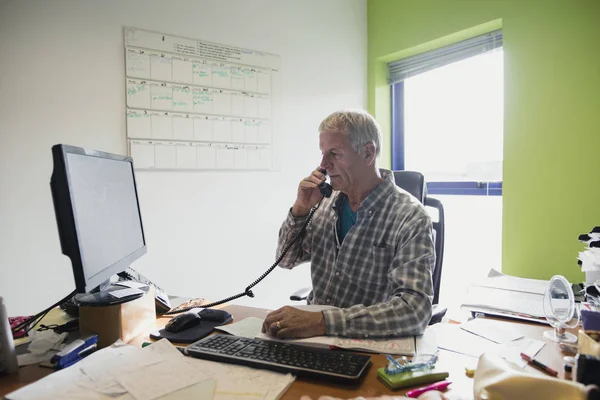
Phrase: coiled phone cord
pixel 248 292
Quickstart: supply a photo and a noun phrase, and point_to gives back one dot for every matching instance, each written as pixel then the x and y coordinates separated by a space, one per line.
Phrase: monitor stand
pixel 101 296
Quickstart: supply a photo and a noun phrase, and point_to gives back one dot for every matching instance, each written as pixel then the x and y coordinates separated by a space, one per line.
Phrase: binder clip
pixel 75 351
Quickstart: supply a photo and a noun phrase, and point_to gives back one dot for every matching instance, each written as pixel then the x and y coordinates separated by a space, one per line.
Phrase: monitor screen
pixel 97 213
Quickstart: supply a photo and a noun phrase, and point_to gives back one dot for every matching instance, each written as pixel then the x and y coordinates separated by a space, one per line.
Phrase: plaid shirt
pixel 380 275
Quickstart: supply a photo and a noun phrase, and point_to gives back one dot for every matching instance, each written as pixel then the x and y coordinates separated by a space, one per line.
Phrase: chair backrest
pixel 414 183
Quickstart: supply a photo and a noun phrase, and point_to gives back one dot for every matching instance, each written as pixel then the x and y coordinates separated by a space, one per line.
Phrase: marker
pixel 436 386
pixel 538 364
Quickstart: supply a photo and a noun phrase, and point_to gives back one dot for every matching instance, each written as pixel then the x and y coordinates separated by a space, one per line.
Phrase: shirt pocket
pixel 374 277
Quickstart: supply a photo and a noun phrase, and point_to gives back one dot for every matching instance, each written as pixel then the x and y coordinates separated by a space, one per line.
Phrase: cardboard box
pixel 122 321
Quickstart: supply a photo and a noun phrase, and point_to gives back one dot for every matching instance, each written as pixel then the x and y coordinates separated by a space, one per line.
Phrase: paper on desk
pixel 497 300
pixel 324 342
pixel 511 351
pixel 202 390
pixel 427 342
pixel 103 367
pixel 237 390
pixel 44 345
pixel 450 337
pixel 231 376
pixel 499 280
pixel 64 384
pixel 70 382
pixel 494 333
pixel 49 385
pixel 249 327
pixel 396 346
pixel 237 382
pixel 163 348
pixel 156 380
pixel 177 372
pixel 130 284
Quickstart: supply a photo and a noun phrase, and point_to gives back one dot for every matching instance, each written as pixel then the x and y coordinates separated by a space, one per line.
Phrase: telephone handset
pixel 324 187
pixel 326 190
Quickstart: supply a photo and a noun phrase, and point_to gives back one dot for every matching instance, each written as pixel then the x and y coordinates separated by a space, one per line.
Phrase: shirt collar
pixel 382 191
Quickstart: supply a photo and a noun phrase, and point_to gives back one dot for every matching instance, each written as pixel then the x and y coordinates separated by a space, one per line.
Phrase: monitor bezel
pixel 66 216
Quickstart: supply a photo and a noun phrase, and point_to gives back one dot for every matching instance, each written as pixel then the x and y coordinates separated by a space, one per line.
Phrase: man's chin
pixel 337 187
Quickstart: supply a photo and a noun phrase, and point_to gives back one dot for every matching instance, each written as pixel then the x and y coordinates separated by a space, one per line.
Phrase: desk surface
pixel 454 363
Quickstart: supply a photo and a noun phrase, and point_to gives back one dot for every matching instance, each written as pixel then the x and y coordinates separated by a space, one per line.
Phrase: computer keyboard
pixel 282 357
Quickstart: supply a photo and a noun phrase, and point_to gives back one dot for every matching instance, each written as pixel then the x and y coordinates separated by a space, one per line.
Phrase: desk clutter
pixel 161 371
pixel 158 371
pixel 403 373
pixel 497 378
pixel 507 296
pixel 507 361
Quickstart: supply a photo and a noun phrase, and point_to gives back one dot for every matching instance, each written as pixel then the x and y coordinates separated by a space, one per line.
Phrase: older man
pixel 370 244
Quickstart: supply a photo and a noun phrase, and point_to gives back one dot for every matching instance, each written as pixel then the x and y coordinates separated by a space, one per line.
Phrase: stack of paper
pixel 589 259
pixel 506 295
pixel 158 371
pixel 405 346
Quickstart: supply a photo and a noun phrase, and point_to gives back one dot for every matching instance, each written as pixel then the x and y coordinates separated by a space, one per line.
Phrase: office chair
pixel 414 183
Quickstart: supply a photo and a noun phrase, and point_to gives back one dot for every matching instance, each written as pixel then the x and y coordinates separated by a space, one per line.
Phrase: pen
pixel 538 364
pixel 435 386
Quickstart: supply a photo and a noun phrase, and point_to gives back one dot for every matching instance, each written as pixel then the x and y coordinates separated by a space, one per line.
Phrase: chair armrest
pixel 300 294
pixel 437 313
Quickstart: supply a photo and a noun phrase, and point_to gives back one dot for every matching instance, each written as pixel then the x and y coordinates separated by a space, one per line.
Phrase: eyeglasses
pixel 418 363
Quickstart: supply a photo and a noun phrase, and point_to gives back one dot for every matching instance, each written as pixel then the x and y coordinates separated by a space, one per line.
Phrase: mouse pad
pixel 203 329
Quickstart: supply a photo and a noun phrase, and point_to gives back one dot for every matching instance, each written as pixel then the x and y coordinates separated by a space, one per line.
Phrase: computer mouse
pixel 214 315
pixel 182 322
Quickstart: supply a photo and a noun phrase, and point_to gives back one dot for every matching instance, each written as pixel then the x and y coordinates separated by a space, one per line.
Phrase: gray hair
pixel 360 126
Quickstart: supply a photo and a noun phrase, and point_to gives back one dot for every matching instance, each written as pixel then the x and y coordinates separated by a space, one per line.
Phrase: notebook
pixel 410 378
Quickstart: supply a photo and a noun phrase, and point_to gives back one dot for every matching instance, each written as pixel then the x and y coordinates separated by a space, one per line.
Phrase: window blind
pixel 405 68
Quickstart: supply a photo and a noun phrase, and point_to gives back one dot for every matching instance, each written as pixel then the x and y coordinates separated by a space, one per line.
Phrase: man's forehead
pixel 332 139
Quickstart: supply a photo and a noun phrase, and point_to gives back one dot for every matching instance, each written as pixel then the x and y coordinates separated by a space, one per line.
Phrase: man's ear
pixel 369 153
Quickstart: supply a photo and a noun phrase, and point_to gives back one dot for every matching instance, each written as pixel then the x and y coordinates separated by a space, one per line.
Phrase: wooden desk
pixel 454 363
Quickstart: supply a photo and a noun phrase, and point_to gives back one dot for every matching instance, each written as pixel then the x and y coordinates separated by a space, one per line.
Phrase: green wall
pixel 552 112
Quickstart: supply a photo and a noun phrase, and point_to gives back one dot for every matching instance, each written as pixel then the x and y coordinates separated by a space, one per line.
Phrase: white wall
pixel 209 233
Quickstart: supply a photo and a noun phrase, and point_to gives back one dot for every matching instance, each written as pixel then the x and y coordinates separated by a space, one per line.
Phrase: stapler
pixel 75 351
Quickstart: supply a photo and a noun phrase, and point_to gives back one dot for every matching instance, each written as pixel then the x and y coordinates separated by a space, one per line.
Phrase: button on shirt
pixel 380 275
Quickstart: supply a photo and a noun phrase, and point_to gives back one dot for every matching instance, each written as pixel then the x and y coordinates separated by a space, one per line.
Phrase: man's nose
pixel 325 164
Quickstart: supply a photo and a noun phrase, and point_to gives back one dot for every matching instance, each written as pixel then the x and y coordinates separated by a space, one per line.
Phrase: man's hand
pixel 290 322
pixel 308 193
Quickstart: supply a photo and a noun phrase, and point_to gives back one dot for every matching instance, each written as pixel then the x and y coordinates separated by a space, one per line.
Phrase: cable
pixel 248 292
pixel 40 315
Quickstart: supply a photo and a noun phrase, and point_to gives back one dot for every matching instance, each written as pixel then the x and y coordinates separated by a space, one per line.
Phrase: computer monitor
pixel 98 217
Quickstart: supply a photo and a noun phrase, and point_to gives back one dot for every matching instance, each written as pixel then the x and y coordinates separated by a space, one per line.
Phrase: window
pixel 448 123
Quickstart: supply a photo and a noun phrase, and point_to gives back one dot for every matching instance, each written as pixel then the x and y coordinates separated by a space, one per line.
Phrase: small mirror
pixel 560 311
